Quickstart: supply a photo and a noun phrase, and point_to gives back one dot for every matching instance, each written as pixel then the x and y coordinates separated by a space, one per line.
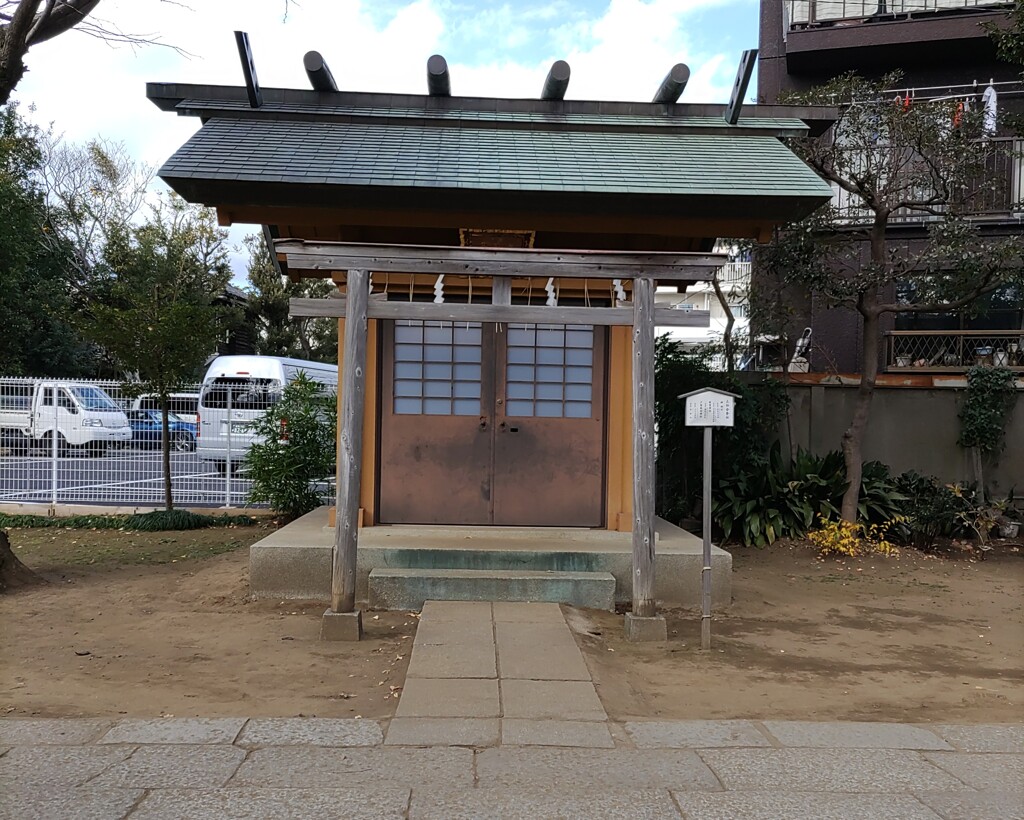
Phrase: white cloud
pixel 87 87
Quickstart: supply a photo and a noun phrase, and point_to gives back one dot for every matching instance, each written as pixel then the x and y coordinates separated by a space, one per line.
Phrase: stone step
pixel 408 588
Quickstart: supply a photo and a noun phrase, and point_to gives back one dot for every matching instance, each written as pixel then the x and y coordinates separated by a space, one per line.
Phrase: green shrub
pixel 759 411
pixel 294 449
pixel 770 499
pixel 932 509
pixel 156 521
pixel 991 395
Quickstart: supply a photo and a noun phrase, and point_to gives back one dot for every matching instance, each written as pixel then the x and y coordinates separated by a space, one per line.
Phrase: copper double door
pixel 492 424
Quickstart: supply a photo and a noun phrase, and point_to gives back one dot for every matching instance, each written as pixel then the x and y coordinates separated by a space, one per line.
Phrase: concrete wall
pixel 909 428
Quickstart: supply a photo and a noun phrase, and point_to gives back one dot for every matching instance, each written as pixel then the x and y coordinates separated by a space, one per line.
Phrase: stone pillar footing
pixel 646 629
pixel 342 626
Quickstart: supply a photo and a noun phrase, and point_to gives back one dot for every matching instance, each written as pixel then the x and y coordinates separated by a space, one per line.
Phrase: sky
pixel 84 87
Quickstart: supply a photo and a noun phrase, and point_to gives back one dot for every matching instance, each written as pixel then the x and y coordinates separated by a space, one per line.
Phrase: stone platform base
pixel 295 561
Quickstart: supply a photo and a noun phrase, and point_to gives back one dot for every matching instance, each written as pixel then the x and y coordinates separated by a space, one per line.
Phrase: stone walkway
pixel 485 674
pixel 499 718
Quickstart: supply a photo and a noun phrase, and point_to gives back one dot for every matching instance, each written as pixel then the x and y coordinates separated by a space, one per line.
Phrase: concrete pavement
pixel 499 718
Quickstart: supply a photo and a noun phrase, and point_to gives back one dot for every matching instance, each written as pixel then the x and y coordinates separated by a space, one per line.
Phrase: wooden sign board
pixel 709 408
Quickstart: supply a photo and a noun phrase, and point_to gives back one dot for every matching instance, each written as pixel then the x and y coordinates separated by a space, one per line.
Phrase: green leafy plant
pixel 991 395
pixel 156 521
pixel 758 413
pixel 932 510
pixel 294 449
pixel 771 499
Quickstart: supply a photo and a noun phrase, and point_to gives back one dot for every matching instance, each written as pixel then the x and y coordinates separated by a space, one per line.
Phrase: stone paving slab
pixel 443 732
pixel 557 700
pixel 568 802
pixel 539 651
pixel 456 611
pixel 310 732
pixel 695 734
pixel 431 632
pixel 983 771
pixel 313 768
pixel 31 766
pixel 851 735
pixel 591 735
pixel 192 731
pixel 375 803
pixel 468 660
pixel 985 738
pixel 828 770
pixel 169 767
pixel 539 612
pixel 81 804
pixel 429 697
pixel 628 768
pixel 982 805
pixel 802 806
pixel 47 731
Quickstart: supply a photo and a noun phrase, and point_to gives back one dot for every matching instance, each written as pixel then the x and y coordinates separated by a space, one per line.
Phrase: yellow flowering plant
pixel 844 538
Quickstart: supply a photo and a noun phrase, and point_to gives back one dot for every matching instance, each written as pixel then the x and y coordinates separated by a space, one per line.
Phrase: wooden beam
pixel 350 444
pixel 334 307
pixel 643 448
pixel 501 290
pixel 739 88
pixel 672 87
pixel 439 82
pixel 252 84
pixel 557 81
pixel 435 260
pixel 318 72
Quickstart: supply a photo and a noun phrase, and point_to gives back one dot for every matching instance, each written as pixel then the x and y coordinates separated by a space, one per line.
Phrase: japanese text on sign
pixel 709 410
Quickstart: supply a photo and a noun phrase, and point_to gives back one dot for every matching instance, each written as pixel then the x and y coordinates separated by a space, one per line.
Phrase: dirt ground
pixel 916 638
pixel 161 624
pixel 175 634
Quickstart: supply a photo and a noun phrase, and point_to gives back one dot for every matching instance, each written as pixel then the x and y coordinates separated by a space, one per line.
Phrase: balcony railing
pixel 952 351
pixel 735 273
pixel 815 12
pixel 999 191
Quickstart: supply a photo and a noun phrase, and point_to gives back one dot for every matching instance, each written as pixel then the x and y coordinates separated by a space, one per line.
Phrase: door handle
pixel 511 428
pixel 483 422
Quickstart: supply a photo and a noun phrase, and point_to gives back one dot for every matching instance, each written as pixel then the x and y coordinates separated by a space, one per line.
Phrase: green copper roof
pixel 403 155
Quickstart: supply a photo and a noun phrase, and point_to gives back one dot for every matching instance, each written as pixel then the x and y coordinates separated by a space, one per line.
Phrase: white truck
pixel 82 416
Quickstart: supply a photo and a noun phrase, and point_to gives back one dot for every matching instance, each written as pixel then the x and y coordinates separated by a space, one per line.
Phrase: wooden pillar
pixel 350 443
pixel 643 448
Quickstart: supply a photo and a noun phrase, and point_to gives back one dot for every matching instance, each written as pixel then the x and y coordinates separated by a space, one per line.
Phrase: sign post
pixel 708 408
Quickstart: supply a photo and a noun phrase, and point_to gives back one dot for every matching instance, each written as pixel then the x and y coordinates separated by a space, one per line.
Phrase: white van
pixel 183 405
pixel 83 416
pixel 239 389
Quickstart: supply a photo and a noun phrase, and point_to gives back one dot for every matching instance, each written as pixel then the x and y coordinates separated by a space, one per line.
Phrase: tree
pixel 25 23
pixel 887 159
pixel 269 294
pixel 157 317
pixel 90 188
pixel 13 573
pixel 34 285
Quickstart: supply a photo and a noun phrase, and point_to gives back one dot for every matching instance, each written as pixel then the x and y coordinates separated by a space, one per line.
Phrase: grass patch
pixel 48 549
pixel 156 521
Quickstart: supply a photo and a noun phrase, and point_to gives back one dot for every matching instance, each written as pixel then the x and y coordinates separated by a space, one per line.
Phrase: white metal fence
pixel 88 442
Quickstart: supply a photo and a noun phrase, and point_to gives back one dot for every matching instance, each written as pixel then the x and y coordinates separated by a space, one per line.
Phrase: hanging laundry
pixel 990 103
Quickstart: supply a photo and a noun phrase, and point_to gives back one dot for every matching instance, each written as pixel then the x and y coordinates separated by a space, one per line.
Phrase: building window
pixel 550 371
pixel 437 368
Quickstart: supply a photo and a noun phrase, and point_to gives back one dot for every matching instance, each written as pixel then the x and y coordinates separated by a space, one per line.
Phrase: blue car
pixel 147 430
